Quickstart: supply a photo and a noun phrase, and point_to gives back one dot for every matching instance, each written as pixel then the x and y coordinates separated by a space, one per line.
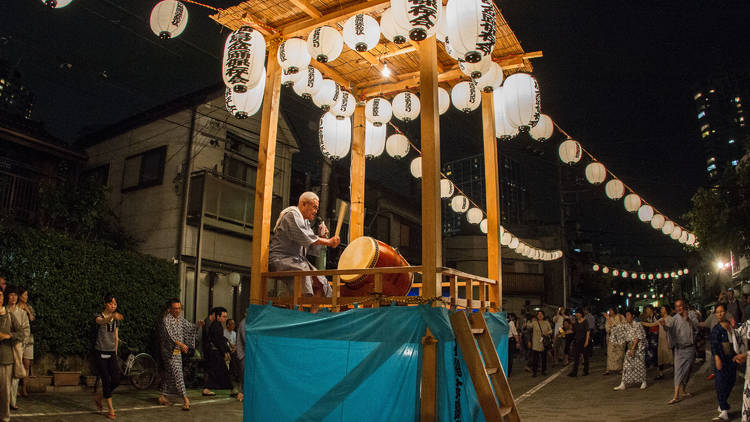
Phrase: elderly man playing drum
pixel 293 239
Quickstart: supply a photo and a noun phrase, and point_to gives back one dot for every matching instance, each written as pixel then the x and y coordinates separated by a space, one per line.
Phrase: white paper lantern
pixel 666 275
pixel 522 100
pixel 650 276
pixel 634 276
pixel 361 32
pixel 397 145
pixel 505 239
pixel 245 104
pixel 642 276
pixel 474 215
pixel 544 129
pixel 632 202
pixel 460 203
pixel 470 26
pixel 446 188
pixel 657 221
pixel 691 239
pixel 605 270
pixel 405 106
pixel 503 130
pixel 324 44
pixel 450 51
pixel 667 227
pixel 595 267
pixel 344 106
pixel 570 151
pixel 374 140
pixel 234 279
pixel 614 189
pixel 625 274
pixel 483 226
pixel 416 167
pixel 658 276
pixel 390 30
pixel 327 95
pixel 244 59
pixel 465 96
pixel 683 237
pixel 676 232
pixel 615 272
pixel 491 79
pixel 168 17
pixel 288 78
pixel 513 242
pixel 309 83
pixel 444 100
pixel 335 136
pixel 57 4
pixel 378 111
pixel 673 274
pixel 292 55
pixel 679 272
pixel 475 70
pixel 419 17
pixel 596 173
pixel 645 213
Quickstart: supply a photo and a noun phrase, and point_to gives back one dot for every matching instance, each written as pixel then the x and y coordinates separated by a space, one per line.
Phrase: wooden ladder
pixel 485 369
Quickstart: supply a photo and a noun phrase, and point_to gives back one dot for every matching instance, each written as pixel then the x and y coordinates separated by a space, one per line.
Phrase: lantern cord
pixel 216 9
pixel 484 214
pixel 631 190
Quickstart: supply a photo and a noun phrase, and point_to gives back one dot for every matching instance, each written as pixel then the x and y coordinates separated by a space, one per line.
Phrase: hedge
pixel 67 280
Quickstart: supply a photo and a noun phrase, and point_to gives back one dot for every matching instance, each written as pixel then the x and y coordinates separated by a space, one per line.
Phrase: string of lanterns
pixel 634 275
pixel 571 152
pixel 638 295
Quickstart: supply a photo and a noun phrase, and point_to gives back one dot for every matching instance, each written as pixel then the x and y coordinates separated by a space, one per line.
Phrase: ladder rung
pixel 505 410
pixel 491 371
pixel 477 331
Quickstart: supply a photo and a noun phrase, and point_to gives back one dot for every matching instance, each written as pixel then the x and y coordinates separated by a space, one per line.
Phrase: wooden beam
pixel 308 8
pixel 492 198
pixel 399 52
pixel 329 73
pixel 430 131
pixel 411 82
pixel 264 180
pixel 302 26
pixel 357 210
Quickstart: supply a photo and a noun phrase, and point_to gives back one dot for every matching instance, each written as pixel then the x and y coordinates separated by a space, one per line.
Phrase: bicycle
pixel 140 368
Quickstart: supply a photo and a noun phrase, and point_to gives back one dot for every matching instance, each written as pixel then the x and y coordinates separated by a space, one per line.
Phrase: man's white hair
pixel 308 197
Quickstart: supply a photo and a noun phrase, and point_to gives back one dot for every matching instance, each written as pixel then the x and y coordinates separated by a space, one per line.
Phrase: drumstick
pixel 342 211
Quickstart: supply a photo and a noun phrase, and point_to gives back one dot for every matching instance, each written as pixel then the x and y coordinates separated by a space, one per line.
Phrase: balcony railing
pixel 18 195
pixel 225 204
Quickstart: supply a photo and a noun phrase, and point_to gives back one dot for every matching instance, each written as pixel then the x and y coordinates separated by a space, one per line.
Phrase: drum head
pixel 361 253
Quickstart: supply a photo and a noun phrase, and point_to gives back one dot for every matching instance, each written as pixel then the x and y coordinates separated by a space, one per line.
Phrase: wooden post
pixel 357 210
pixel 264 181
pixel 336 293
pixel 492 200
pixel 430 134
pixel 427 402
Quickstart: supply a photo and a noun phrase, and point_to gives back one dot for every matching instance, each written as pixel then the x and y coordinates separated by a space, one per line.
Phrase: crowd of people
pixel 665 338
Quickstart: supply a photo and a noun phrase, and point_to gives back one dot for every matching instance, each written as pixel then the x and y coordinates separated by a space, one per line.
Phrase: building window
pixel 711 167
pixel 701 114
pixel 734 162
pixel 240 159
pixel 144 170
pixel 99 175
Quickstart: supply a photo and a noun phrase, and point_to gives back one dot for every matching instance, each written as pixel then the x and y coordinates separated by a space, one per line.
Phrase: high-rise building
pixel 15 99
pixel 722 125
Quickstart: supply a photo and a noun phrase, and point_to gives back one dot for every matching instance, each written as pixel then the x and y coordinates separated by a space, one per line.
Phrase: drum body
pixel 367 252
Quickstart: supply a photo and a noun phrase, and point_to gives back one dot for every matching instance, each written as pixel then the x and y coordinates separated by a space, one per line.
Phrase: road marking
pixel 541 385
pixel 127 409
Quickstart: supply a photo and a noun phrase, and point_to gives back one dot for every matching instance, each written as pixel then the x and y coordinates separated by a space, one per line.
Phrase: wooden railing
pixel 455 279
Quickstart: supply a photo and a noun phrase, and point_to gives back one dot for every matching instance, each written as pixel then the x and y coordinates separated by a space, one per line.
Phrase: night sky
pixel 617 76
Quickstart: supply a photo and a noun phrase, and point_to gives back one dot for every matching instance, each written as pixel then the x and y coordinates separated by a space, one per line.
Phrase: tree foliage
pixel 67 279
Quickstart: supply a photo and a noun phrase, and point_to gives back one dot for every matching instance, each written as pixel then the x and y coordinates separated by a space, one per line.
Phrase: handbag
pixel 546 338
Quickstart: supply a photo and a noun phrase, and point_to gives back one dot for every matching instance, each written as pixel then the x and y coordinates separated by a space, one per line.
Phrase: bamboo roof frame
pixel 360 72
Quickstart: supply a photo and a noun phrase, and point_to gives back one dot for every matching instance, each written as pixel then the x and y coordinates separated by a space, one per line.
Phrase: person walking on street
pixel 724 347
pixel 514 340
pixel 11 333
pixel 648 320
pixel 615 350
pixel 217 373
pixel 591 321
pixel 105 352
pixel 11 303
pixel 633 367
pixel 734 309
pixel 28 344
pixel 177 336
pixel 540 328
pixel 681 330
pixel 582 335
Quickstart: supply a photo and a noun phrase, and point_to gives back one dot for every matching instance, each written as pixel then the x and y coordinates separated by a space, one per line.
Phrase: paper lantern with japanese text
pixel 405 106
pixel 446 188
pixel 570 151
pixel 397 145
pixel 244 59
pixel 390 30
pixel 334 136
pixel 378 111
pixel 324 44
pixel 491 79
pixel 344 106
pixel 544 129
pixel 503 130
pixel 309 83
pixel 374 140
pixel 522 100
pixel 460 203
pixel 614 189
pixel 419 17
pixel 465 96
pixel 475 70
pixel 327 95
pixel 632 202
pixel 470 27
pixel 361 32
pixel 242 105
pixel 288 79
pixel 596 173
pixel 292 55
pixel 168 17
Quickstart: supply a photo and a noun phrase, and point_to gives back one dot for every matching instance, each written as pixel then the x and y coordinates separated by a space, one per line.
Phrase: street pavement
pixel 554 397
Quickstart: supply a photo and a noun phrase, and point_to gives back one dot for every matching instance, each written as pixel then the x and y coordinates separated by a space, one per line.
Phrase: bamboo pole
pixel 357 210
pixel 492 200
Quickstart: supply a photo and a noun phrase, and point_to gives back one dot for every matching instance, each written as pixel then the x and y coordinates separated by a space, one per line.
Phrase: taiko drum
pixel 367 252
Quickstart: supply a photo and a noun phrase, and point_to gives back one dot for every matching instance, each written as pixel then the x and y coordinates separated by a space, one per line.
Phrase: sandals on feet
pixel 673 401
pixel 111 416
pixel 164 402
pixel 186 407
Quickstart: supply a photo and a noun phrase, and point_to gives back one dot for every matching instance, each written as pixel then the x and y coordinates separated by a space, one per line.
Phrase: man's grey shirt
pixel 682 330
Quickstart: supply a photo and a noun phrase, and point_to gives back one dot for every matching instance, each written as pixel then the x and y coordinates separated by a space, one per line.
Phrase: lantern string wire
pixel 217 9
pixel 458 189
pixel 631 190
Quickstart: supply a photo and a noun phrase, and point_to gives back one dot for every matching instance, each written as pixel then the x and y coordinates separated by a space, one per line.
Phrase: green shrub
pixel 67 279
